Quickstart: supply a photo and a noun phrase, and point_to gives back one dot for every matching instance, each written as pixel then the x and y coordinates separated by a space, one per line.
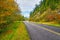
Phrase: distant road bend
pixel 37 32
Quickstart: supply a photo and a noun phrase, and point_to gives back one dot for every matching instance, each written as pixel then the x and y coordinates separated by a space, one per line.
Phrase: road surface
pixel 38 32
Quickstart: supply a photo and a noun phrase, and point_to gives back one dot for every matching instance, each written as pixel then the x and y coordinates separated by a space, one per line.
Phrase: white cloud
pixel 27 5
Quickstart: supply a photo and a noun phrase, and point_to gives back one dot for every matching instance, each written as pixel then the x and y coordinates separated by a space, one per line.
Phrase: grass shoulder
pixel 16 31
pixel 50 24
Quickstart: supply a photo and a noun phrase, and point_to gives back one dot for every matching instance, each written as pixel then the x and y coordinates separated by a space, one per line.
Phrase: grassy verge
pixel 50 24
pixel 54 25
pixel 16 31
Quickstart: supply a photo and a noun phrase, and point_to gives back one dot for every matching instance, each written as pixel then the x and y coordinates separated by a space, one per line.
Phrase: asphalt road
pixel 37 32
pixel 50 27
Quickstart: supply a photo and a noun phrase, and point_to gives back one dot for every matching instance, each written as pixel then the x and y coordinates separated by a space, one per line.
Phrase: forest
pixel 9 13
pixel 11 25
pixel 46 11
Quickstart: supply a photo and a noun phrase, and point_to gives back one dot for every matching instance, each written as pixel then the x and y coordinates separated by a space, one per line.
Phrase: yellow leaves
pixel 2 21
pixel 2 15
pixel 9 10
pixel 5 14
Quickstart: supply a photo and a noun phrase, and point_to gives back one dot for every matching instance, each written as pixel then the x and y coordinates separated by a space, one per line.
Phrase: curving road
pixel 38 32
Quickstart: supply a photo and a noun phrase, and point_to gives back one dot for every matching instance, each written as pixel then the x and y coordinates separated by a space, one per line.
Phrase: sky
pixel 27 6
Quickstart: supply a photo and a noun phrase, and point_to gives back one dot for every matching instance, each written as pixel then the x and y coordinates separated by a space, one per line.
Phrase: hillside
pixel 46 11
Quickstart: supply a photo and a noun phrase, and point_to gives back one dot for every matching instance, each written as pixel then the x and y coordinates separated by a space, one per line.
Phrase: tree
pixel 46 11
pixel 9 12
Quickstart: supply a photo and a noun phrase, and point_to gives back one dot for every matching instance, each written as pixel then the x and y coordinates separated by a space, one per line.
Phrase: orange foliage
pixel 8 8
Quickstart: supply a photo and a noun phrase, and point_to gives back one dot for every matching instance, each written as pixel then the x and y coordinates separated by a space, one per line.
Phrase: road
pixel 37 32
pixel 50 27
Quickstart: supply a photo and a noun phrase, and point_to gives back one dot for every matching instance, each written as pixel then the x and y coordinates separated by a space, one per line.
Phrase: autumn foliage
pixel 9 12
pixel 46 11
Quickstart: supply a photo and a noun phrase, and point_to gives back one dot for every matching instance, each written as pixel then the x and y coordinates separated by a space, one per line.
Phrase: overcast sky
pixel 27 6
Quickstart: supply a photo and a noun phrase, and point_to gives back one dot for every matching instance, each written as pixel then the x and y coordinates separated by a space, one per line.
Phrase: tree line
pixel 46 11
pixel 9 12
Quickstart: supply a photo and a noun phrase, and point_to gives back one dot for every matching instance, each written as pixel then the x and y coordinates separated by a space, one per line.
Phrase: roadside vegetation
pixel 48 11
pixel 9 12
pixel 16 31
pixel 10 26
pixel 50 24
